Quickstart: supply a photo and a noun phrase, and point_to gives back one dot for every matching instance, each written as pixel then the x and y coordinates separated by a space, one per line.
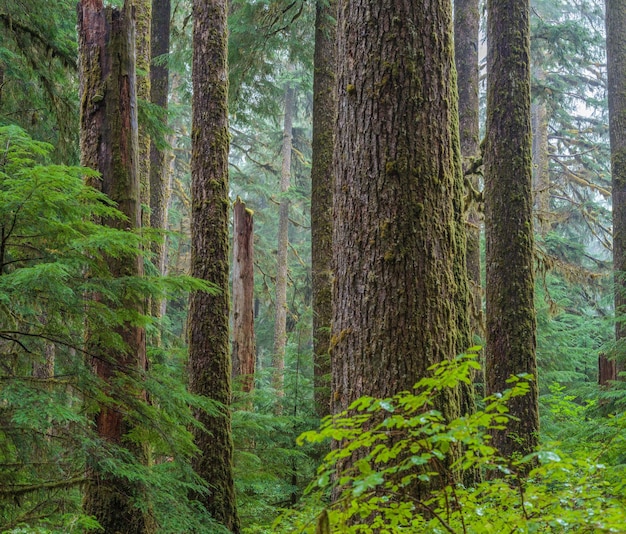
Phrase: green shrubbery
pixel 404 444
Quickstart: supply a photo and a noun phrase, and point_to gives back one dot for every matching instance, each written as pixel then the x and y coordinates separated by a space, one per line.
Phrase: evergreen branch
pixel 11 25
pixel 22 489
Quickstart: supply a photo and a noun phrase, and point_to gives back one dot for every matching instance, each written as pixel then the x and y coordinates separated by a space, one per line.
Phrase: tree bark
pixel 280 318
pixel 541 171
pixel 511 322
pixel 159 158
pixel 143 20
pixel 466 27
pixel 324 113
pixel 109 144
pixel 400 293
pixel 616 69
pixel 244 350
pixel 209 351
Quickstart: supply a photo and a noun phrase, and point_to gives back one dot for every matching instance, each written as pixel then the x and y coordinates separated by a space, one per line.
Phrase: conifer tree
pixel 511 321
pixel 324 111
pixel 209 347
pixel 616 69
pixel 400 298
pixel 109 145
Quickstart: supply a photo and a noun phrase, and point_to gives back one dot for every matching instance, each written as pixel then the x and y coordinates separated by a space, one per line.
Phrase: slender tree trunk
pixel 280 321
pixel 511 321
pixel 466 27
pixel 143 15
pixel 109 144
pixel 541 174
pixel 616 69
pixel 400 289
pixel 159 157
pixel 324 113
pixel 244 350
pixel 209 350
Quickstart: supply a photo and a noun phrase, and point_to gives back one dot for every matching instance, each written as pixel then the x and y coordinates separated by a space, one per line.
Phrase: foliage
pixel 398 441
pixel 53 260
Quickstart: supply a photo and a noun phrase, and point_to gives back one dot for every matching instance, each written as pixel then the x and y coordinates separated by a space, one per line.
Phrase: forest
pixel 312 266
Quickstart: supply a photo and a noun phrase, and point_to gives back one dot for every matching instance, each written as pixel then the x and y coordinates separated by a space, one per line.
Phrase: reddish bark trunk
pixel 244 350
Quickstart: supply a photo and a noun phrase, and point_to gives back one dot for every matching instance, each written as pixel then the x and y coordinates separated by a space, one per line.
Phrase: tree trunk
pixel 209 351
pixel 159 157
pixel 109 144
pixel 324 113
pixel 466 27
pixel 541 174
pixel 143 15
pixel 511 321
pixel 616 69
pixel 400 292
pixel 244 350
pixel 280 321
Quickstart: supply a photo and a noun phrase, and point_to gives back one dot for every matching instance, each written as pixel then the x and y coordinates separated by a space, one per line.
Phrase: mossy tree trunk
pixel 159 156
pixel 466 28
pixel 511 321
pixel 108 139
pixel 209 347
pixel 244 350
pixel 400 292
pixel 143 21
pixel 280 302
pixel 616 68
pixel 324 112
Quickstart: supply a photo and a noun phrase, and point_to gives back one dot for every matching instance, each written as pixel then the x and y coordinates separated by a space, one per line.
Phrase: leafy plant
pixel 410 465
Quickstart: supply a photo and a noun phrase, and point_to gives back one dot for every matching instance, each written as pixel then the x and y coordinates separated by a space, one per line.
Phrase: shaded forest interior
pixel 317 266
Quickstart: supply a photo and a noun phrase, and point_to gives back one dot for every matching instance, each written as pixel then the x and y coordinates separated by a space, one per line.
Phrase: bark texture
pixel 324 113
pixel 616 69
pixel 244 350
pixel 143 20
pixel 511 322
pixel 109 144
pixel 280 317
pixel 159 157
pixel 466 28
pixel 400 293
pixel 541 170
pixel 209 347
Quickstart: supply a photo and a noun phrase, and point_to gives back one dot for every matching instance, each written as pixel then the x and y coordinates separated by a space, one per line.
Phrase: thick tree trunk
pixel 209 350
pixel 244 350
pixel 616 69
pixel 109 144
pixel 159 158
pixel 400 291
pixel 466 27
pixel 280 318
pixel 324 113
pixel 511 321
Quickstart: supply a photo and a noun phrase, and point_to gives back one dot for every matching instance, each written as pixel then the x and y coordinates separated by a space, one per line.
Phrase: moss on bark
pixel 511 321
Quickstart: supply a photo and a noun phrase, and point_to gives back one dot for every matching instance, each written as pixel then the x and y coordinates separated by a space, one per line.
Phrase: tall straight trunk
pixel 324 113
pixel 143 21
pixel 108 139
pixel 209 350
pixel 280 317
pixel 511 321
pixel 244 350
pixel 466 32
pixel 541 175
pixel 400 289
pixel 616 69
pixel 159 157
